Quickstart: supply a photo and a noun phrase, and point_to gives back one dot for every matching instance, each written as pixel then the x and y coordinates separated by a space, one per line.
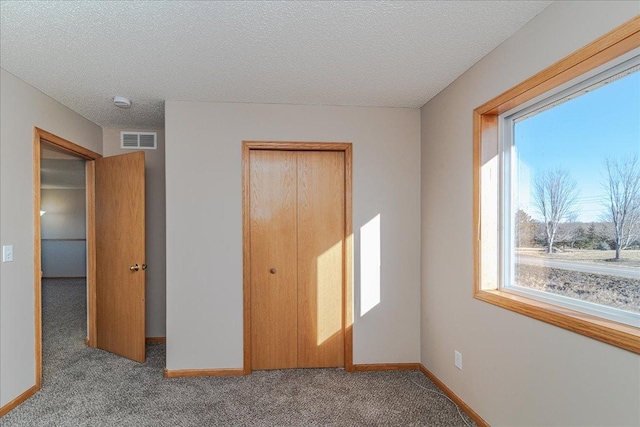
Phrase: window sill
pixel 617 334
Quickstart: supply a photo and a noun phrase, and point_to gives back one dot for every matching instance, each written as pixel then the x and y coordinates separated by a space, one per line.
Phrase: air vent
pixel 138 140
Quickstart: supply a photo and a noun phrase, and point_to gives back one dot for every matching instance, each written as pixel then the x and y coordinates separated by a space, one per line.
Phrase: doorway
pixel 63 247
pixel 62 214
pixel 60 145
pixel 115 260
pixel 297 246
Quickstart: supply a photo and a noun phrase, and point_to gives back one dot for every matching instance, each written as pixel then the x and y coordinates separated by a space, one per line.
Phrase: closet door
pixel 320 233
pixel 297 252
pixel 274 269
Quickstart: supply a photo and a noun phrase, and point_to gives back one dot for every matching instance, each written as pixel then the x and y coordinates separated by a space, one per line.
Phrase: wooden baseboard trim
pixel 182 373
pixel 387 367
pixel 466 408
pixel 18 400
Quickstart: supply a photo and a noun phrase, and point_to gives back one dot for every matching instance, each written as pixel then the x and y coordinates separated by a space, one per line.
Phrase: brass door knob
pixel 134 267
pixel 272 271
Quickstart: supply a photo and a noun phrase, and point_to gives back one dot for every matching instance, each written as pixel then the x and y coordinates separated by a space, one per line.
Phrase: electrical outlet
pixel 458 359
pixel 7 253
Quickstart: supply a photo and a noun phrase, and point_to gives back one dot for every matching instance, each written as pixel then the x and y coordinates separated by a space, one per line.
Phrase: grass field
pixel 622 293
pixel 629 258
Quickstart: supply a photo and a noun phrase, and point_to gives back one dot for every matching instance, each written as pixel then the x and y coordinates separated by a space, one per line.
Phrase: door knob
pixel 144 266
pixel 272 271
pixel 135 267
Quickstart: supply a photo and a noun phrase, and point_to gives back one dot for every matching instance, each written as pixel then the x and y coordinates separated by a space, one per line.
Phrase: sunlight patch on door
pixel 369 265
pixel 329 297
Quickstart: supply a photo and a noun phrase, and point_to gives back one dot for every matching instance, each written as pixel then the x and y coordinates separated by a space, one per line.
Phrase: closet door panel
pixel 274 267
pixel 320 234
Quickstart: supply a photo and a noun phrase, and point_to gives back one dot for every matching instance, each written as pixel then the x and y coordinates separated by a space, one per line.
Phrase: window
pixel 557 193
pixel 571 196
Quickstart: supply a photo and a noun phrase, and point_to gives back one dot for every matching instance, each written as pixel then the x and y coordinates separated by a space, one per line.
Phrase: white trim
pixel 610 313
pixel 571 83
pixel 611 68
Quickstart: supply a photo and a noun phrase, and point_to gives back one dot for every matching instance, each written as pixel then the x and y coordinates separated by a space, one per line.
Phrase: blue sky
pixel 577 136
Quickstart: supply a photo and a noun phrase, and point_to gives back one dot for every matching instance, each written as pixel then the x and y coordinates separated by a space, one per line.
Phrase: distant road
pixel 618 271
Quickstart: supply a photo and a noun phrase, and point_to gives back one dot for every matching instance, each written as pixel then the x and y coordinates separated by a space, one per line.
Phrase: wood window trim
pixel 40 136
pixel 347 313
pixel 617 42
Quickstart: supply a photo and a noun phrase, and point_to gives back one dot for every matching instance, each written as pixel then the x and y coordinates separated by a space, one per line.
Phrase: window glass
pixel 572 175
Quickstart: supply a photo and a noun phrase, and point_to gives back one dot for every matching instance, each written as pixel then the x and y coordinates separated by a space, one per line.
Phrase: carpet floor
pixel 83 386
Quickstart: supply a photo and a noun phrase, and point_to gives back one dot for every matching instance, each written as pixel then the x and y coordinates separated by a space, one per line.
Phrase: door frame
pixel 347 255
pixel 41 136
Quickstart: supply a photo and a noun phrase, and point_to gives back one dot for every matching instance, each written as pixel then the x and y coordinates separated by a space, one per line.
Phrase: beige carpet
pixel 89 387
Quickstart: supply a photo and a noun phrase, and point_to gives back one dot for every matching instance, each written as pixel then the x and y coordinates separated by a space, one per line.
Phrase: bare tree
pixel 622 184
pixel 555 195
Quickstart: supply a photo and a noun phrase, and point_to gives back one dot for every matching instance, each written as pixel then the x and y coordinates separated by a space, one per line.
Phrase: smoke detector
pixel 121 102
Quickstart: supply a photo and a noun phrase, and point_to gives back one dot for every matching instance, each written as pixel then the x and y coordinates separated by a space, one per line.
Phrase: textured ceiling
pixel 397 54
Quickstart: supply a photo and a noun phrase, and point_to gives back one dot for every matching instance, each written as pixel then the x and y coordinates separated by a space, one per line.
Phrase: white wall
pixel 204 222
pixel 517 370
pixel 21 108
pixel 65 218
pixel 155 225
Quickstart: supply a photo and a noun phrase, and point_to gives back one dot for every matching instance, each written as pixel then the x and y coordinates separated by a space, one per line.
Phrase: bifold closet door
pixel 274 270
pixel 297 232
pixel 320 258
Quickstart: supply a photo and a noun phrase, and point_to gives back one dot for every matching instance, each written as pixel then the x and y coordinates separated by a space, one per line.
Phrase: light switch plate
pixel 7 253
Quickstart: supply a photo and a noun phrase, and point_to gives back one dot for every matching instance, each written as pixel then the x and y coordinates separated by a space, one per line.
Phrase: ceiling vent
pixel 138 140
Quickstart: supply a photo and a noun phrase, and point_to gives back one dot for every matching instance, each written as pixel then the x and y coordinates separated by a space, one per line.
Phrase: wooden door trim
pixel 347 283
pixel 297 146
pixel 40 136
pixel 92 324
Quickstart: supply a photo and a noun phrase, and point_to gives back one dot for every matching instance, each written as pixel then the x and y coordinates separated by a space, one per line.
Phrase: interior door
pixel 120 255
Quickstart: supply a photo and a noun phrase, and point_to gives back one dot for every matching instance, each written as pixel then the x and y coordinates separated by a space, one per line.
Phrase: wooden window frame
pixel 617 42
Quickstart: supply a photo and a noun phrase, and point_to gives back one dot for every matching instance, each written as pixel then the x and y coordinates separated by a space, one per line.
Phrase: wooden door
pixel 273 259
pixel 120 245
pixel 296 241
pixel 320 258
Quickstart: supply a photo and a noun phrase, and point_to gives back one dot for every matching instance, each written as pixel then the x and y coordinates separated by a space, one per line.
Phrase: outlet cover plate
pixel 7 253
pixel 458 359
